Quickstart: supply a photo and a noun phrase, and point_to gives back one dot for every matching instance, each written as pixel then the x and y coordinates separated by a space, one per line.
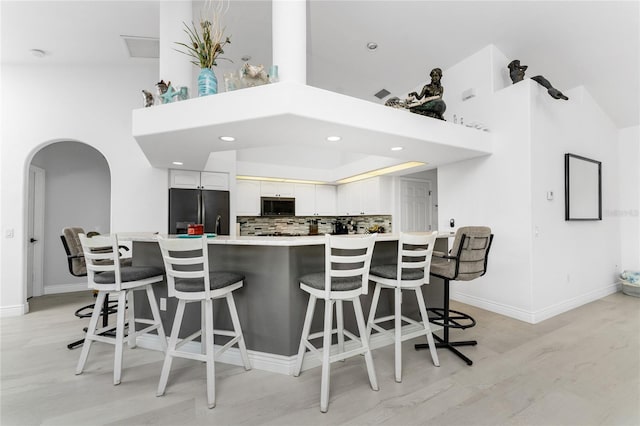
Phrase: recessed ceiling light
pixel 372 45
pixel 397 148
pixel 227 138
pixel 178 163
pixel 333 138
pixel 38 53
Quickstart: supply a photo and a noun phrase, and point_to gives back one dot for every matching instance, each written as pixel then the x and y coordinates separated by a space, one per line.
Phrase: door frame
pixel 35 271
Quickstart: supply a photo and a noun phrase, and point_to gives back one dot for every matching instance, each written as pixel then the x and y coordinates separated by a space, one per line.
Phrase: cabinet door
pixel 277 189
pixel 214 180
pixel 326 200
pixel 350 199
pixel 305 199
pixel 248 198
pixel 186 179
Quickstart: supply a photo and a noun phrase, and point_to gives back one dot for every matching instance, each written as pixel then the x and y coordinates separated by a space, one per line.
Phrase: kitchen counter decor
pixel 206 45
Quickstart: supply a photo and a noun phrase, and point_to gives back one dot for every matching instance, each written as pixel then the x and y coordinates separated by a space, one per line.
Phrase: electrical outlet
pixel 163 303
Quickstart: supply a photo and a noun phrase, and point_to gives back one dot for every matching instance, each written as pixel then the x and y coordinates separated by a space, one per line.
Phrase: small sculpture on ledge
pixel 516 72
pixel 148 98
pixel 429 102
pixel 253 75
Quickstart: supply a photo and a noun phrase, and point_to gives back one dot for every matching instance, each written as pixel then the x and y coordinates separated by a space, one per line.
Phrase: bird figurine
pixel 148 98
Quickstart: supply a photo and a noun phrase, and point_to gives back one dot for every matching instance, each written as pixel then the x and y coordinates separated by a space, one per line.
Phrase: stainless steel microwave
pixel 277 206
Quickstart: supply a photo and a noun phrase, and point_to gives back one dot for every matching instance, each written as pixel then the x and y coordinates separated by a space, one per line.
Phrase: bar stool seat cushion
pixel 316 280
pixel 390 271
pixel 217 280
pixel 128 273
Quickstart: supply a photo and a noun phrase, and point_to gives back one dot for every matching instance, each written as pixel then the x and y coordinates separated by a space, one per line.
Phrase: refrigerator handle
pixel 200 207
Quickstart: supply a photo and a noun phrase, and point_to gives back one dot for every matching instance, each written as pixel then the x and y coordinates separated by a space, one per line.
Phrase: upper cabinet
pixel 315 200
pixel 189 179
pixel 366 197
pixel 248 198
pixel 277 189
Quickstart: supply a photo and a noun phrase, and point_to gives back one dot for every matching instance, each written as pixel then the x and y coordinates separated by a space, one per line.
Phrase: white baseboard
pixel 271 362
pixel 14 310
pixel 534 317
pixel 65 288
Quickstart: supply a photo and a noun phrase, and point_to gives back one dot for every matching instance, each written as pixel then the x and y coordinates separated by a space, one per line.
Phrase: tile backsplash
pixel 259 225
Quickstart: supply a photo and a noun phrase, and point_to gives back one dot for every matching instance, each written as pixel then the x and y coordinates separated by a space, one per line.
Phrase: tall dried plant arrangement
pixel 207 44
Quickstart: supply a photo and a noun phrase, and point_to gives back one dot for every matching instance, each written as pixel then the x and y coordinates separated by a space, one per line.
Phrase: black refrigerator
pixel 191 206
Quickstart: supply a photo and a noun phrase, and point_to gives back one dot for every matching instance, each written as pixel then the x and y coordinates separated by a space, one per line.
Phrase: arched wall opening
pixel 76 192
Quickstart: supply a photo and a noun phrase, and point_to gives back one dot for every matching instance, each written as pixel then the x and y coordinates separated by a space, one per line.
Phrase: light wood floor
pixel 579 368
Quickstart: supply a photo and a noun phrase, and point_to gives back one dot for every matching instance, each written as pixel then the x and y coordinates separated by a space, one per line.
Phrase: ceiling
pixel 591 43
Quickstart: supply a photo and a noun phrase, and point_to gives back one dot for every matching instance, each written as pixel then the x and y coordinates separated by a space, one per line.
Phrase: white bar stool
pixel 345 278
pixel 106 275
pixel 189 279
pixel 410 272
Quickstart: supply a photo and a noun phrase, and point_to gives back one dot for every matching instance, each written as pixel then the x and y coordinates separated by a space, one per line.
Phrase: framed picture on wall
pixel 582 188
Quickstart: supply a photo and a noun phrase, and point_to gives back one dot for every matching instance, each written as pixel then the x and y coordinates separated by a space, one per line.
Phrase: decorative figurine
pixel 516 72
pixel 148 98
pixel 253 75
pixel 429 102
pixel 169 94
pixel 162 87
pixel 183 94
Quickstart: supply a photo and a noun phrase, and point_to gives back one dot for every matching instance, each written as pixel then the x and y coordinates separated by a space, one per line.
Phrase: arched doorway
pixel 73 188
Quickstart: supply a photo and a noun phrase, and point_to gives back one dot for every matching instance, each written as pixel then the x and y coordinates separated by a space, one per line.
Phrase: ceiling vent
pixel 142 47
pixel 382 94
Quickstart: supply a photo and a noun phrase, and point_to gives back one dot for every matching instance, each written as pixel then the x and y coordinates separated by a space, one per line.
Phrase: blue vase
pixel 207 82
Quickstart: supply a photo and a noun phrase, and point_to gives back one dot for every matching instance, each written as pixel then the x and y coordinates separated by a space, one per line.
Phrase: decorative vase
pixel 207 82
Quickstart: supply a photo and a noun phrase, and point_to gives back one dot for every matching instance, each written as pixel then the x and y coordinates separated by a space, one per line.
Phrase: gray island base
pixel 271 305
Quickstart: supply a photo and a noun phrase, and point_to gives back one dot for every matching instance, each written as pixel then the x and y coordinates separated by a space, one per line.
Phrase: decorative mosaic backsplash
pixel 257 225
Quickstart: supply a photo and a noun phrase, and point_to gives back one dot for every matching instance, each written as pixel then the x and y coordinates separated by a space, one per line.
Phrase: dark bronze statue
pixel 429 102
pixel 516 72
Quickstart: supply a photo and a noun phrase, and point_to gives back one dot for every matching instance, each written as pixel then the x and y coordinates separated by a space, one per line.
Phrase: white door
pixel 35 234
pixel 416 205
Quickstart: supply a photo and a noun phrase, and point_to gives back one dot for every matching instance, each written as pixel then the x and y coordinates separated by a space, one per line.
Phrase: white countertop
pixel 308 240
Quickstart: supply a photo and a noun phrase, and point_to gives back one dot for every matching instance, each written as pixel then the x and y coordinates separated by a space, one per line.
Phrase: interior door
pixel 416 205
pixel 35 233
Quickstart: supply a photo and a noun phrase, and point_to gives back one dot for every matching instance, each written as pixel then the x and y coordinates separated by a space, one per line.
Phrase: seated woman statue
pixel 429 102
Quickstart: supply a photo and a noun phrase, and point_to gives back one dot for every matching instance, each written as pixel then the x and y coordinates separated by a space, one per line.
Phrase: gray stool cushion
pixel 316 281
pixel 389 272
pixel 129 273
pixel 217 280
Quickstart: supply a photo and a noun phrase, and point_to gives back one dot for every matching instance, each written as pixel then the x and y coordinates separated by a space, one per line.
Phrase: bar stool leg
pixel 173 341
pixel 211 367
pixel 362 329
pixel 117 363
pixel 155 312
pixel 427 327
pixel 91 331
pixel 326 351
pixel 340 326
pixel 203 338
pixel 131 315
pixel 398 332
pixel 238 330
pixel 305 334
pixel 374 307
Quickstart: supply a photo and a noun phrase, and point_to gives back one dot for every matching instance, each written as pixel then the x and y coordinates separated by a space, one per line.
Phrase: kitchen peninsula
pixel 271 305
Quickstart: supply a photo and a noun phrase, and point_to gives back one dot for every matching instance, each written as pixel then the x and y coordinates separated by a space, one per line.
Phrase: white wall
pixel 534 249
pixel 629 205
pixel 574 261
pixel 45 104
pixel 77 193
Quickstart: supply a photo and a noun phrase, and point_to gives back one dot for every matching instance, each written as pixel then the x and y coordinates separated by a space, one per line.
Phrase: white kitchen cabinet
pixel 315 200
pixel 365 197
pixel 248 198
pixel 190 179
pixel 277 189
